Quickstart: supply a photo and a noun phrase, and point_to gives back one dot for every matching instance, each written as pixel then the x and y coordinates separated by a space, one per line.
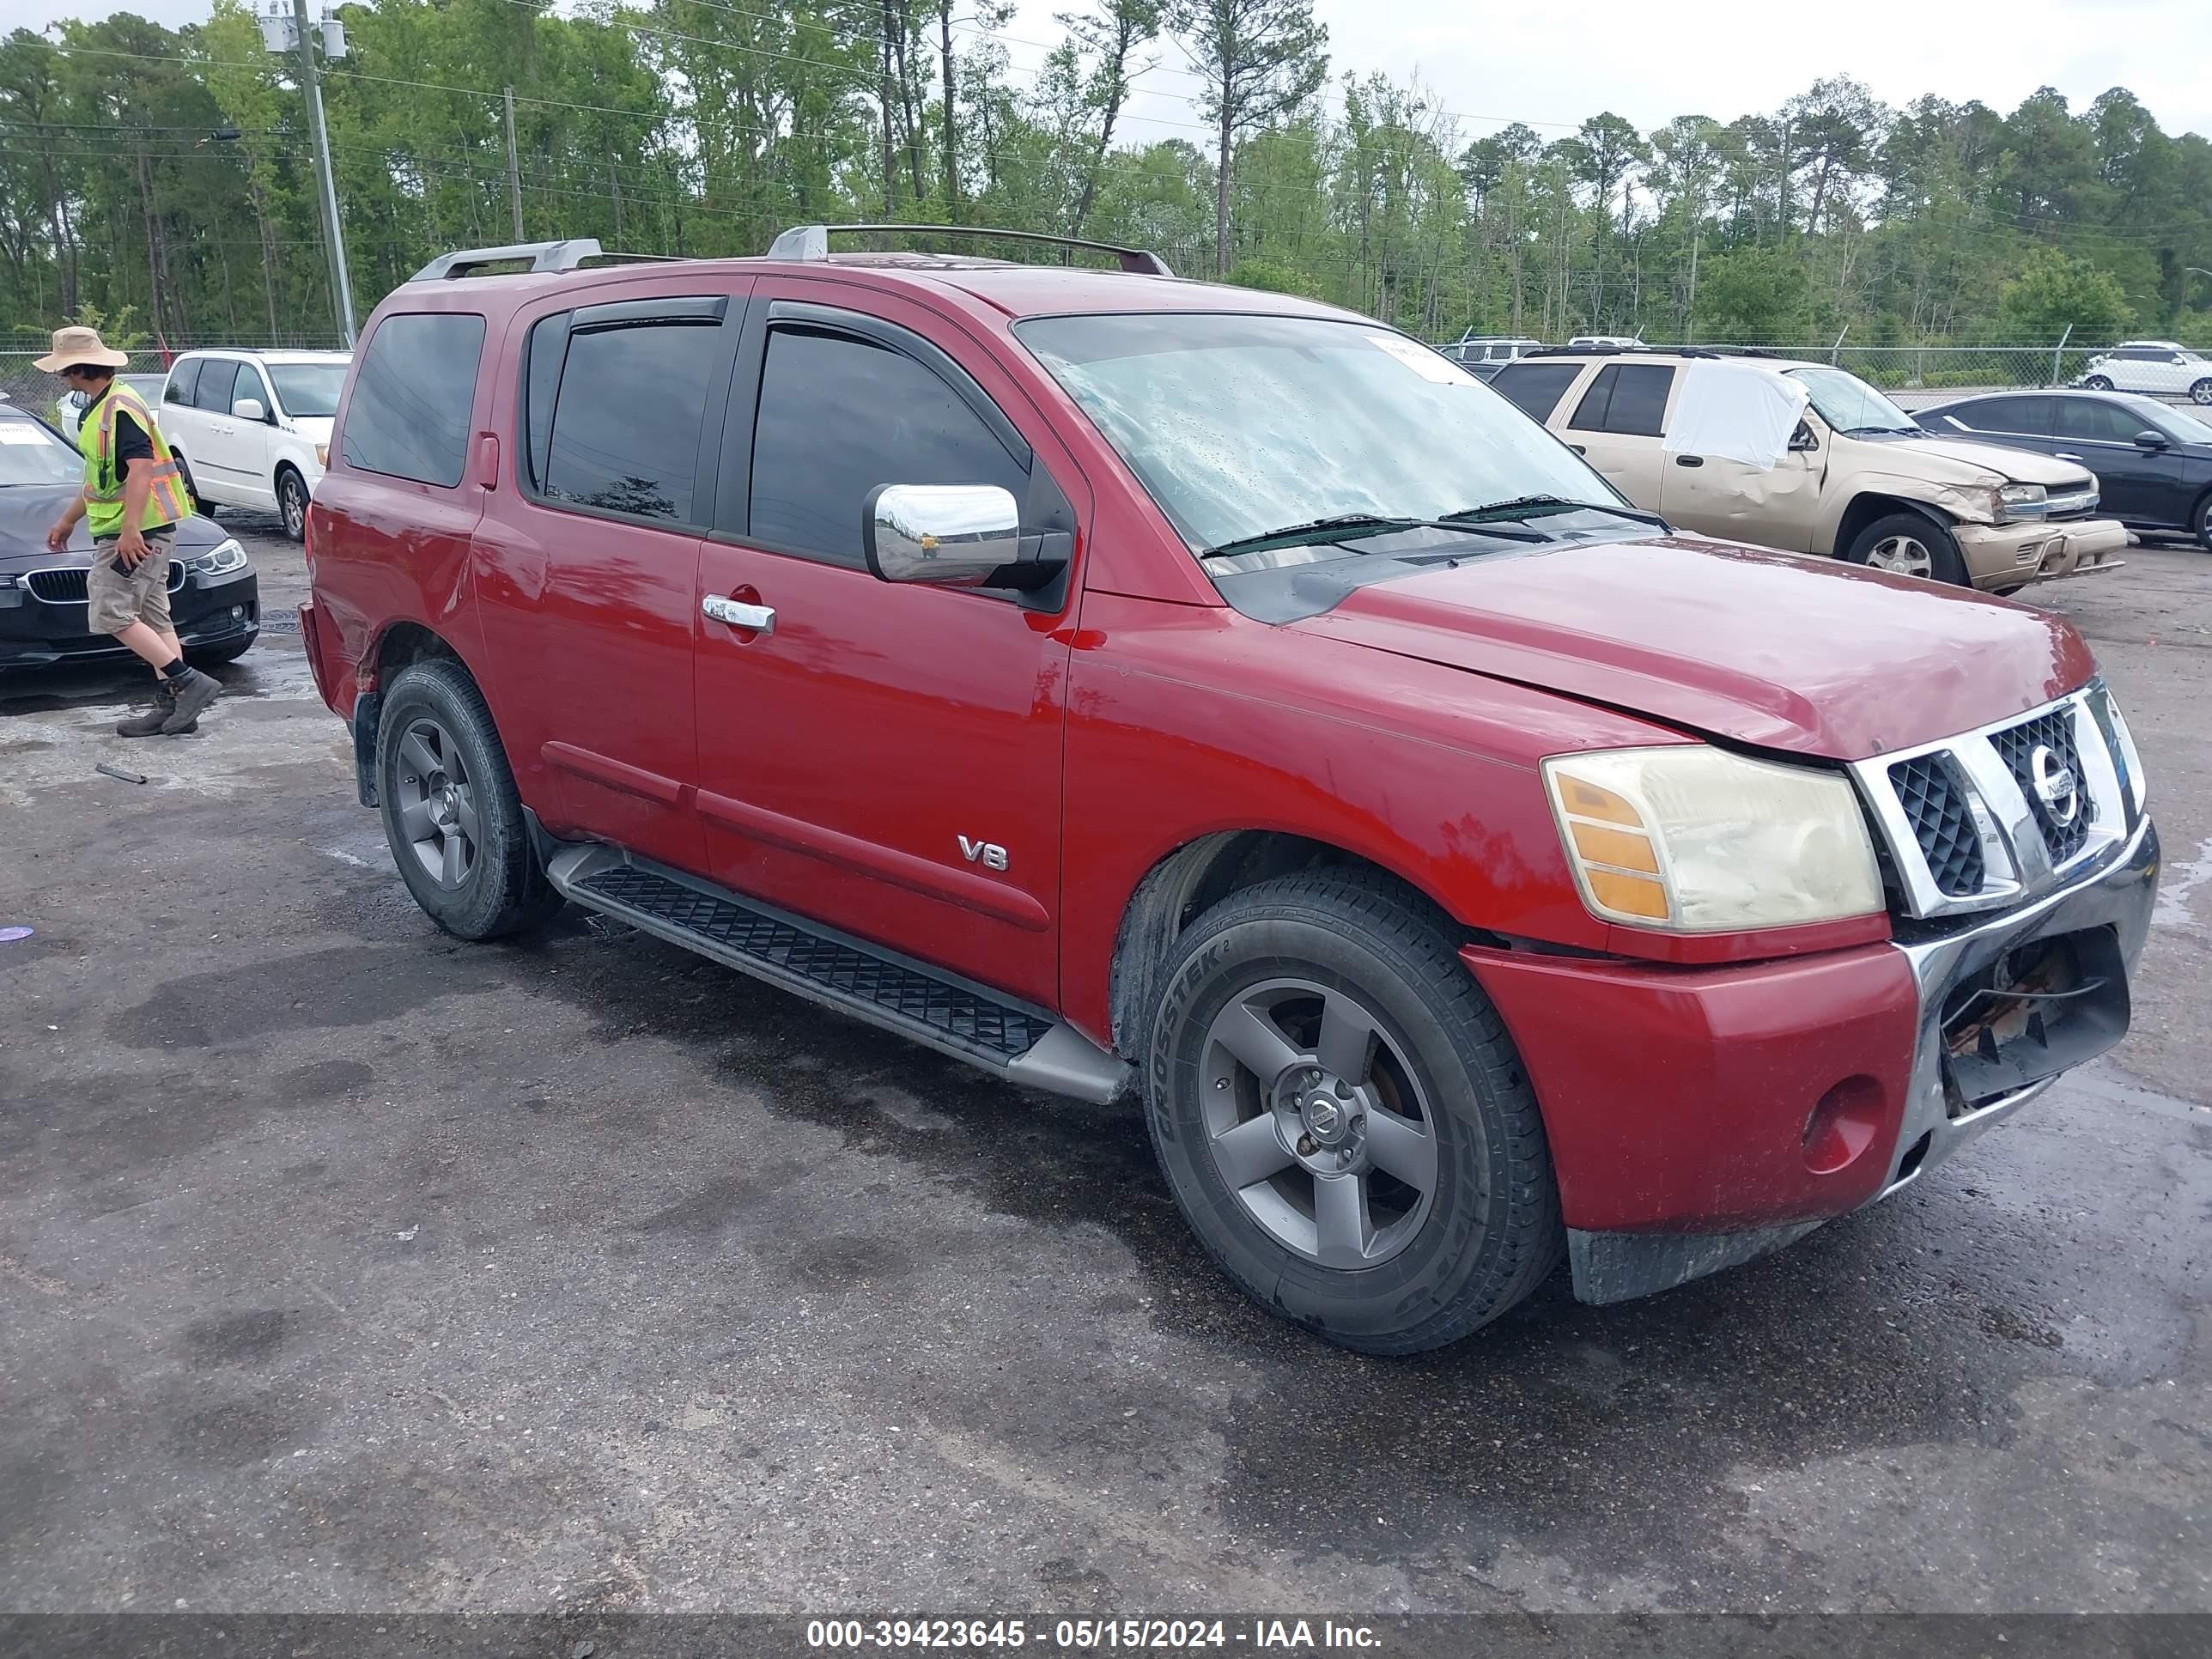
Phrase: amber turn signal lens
pixel 1622 848
pixel 1628 896
pixel 1586 800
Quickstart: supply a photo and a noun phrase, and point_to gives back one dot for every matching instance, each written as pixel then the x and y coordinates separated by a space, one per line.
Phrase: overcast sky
pixel 1553 63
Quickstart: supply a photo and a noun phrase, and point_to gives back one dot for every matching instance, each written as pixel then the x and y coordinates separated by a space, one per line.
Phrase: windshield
pixel 2179 423
pixel 1240 425
pixel 308 391
pixel 1849 404
pixel 29 454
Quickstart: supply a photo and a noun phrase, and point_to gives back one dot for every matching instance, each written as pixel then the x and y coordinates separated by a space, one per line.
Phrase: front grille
pixel 2016 747
pixel 1964 827
pixel 65 584
pixel 1935 803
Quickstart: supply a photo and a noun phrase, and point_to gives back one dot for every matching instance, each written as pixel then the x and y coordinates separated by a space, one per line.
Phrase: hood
pixel 1767 649
pixel 315 428
pixel 28 510
pixel 1963 461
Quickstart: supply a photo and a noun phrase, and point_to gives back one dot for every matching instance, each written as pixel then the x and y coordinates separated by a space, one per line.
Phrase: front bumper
pixel 2012 555
pixel 37 634
pixel 1700 1118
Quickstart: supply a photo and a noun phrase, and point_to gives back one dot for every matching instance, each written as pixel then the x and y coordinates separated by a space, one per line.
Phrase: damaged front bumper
pixel 2010 556
pixel 2005 1006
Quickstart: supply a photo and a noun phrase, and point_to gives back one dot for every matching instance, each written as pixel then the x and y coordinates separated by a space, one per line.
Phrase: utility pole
pixel 280 34
pixel 514 168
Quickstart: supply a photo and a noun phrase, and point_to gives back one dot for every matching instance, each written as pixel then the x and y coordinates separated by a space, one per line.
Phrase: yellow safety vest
pixel 103 490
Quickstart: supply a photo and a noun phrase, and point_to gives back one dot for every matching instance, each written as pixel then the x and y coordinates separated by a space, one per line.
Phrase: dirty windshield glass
pixel 1240 425
pixel 1849 404
pixel 29 454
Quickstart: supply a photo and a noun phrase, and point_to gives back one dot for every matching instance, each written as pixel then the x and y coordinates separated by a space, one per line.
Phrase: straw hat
pixel 77 346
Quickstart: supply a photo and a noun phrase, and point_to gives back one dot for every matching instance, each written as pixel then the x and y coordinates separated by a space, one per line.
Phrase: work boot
pixel 156 721
pixel 192 693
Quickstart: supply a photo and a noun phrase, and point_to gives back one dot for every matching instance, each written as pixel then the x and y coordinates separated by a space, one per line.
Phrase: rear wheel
pixel 191 490
pixel 292 503
pixel 1344 1120
pixel 2201 522
pixel 451 813
pixel 1910 545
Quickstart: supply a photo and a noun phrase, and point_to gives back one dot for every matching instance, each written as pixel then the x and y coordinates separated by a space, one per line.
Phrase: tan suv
pixel 1810 459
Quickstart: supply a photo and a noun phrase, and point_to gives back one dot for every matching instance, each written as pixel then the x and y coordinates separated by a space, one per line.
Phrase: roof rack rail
pixel 812 242
pixel 569 255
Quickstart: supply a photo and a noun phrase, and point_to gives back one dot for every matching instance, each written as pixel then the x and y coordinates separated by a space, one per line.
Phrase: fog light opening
pixel 1843 1124
pixel 1909 1166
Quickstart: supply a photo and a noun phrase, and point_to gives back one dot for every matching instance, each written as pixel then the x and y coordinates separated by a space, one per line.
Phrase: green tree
pixel 2055 291
pixel 1260 60
pixel 1751 294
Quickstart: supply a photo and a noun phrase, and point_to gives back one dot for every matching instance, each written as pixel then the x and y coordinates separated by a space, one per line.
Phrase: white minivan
pixel 253 429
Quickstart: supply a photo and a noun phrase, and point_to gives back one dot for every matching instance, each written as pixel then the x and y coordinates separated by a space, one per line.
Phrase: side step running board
pixel 1012 1040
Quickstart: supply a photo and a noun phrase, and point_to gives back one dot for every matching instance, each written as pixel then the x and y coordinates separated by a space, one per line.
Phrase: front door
pixel 1773 506
pixel 586 575
pixel 2132 482
pixel 882 758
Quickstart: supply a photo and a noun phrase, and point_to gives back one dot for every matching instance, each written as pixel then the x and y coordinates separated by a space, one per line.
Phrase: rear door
pixel 214 450
pixel 887 758
pixel 1617 424
pixel 586 573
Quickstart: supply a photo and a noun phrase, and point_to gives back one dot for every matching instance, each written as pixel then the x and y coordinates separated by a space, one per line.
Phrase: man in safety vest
pixel 133 502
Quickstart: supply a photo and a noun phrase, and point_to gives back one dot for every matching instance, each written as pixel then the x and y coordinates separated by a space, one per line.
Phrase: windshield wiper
pixel 1353 527
pixel 1533 506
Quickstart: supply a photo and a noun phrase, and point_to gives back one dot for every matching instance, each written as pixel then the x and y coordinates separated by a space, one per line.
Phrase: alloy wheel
pixel 1316 1123
pixel 294 500
pixel 1905 555
pixel 437 803
pixel 2201 393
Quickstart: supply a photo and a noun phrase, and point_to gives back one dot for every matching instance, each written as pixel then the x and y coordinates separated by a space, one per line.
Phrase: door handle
pixel 754 619
pixel 1689 461
pixel 1578 449
pixel 2064 456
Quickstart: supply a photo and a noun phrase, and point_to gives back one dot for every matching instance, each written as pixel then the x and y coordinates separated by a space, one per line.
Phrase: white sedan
pixel 2153 365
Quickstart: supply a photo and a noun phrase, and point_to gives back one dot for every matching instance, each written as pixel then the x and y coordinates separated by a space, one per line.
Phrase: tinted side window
pixel 623 433
pixel 839 415
pixel 410 414
pixel 217 376
pixel 2029 416
pixel 1626 398
pixel 182 380
pixel 2097 422
pixel 1536 388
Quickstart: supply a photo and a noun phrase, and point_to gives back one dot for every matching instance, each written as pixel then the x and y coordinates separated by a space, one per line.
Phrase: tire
pixel 1889 542
pixel 1438 1263
pixel 2201 392
pixel 214 655
pixel 292 503
pixel 440 770
pixel 2099 383
pixel 2200 521
pixel 191 490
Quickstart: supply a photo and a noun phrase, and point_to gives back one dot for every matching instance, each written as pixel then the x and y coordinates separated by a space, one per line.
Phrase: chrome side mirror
pixel 950 536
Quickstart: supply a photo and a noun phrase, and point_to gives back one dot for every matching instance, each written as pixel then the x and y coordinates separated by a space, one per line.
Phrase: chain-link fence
pixel 30 388
pixel 1917 375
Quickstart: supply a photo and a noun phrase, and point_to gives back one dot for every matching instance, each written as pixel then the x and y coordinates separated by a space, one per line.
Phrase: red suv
pixel 1120 683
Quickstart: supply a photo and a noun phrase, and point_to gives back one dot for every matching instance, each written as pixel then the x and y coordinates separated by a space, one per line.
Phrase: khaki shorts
pixel 116 598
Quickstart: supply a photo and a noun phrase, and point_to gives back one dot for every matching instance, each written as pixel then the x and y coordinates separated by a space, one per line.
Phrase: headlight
pixel 2020 501
pixel 2122 742
pixel 1698 840
pixel 225 558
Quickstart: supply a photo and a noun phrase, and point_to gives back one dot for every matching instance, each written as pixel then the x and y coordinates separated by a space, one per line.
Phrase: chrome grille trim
pixel 2024 855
